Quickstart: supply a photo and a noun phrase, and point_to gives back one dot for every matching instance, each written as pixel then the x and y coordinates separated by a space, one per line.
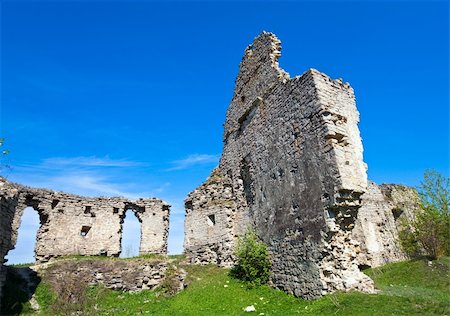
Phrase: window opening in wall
pixel 88 210
pixel 54 203
pixel 397 212
pixel 26 238
pixel 85 230
pixel 211 220
pixel 331 214
pixel 131 235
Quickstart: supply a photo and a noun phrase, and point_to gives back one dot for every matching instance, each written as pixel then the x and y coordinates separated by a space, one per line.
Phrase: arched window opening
pixel 131 235
pixel 26 238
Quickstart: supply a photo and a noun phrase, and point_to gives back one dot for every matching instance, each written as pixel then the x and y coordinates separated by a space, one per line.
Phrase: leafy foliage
pixel 3 153
pixel 253 261
pixel 429 232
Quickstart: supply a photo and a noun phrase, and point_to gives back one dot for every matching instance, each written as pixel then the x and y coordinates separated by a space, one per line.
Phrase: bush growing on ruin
pixel 429 233
pixel 253 261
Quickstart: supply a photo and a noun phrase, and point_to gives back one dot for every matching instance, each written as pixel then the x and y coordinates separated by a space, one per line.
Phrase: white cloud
pixel 90 184
pixel 88 162
pixel 193 160
pixel 161 188
pixel 86 175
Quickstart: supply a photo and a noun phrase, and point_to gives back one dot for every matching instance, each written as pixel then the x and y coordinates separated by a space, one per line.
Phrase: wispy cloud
pixel 193 160
pixel 87 175
pixel 91 161
pixel 91 185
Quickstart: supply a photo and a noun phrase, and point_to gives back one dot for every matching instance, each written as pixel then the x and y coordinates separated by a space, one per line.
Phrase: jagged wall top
pixel 292 168
pixel 265 49
pixel 259 70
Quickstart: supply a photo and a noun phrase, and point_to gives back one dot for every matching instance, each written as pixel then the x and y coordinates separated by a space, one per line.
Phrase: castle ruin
pixel 292 169
pixel 76 225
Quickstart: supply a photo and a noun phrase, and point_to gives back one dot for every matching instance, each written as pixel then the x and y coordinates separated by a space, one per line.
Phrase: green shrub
pixel 253 261
pixel 429 232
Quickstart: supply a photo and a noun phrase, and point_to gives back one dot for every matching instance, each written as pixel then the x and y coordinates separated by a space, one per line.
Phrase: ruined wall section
pixel 209 222
pixel 379 221
pixel 340 119
pixel 344 152
pixel 8 202
pixel 124 275
pixel 72 224
pixel 294 156
pixel 153 214
pixel 76 225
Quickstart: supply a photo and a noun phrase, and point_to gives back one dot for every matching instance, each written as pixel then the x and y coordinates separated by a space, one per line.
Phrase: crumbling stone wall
pixel 210 216
pixel 379 220
pixel 124 275
pixel 8 203
pixel 76 225
pixel 292 169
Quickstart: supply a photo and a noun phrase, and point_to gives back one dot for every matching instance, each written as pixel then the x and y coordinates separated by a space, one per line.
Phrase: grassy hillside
pixel 406 288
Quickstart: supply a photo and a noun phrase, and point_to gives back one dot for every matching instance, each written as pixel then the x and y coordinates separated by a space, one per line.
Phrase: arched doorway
pixel 26 238
pixel 131 235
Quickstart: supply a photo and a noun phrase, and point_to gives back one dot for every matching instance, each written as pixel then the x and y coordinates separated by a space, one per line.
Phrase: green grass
pixel 22 265
pixel 80 257
pixel 406 288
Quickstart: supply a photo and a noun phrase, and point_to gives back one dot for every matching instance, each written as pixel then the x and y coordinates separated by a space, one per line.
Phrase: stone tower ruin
pixel 292 169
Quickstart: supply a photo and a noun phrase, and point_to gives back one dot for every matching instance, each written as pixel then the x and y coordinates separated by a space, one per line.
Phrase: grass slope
pixel 406 288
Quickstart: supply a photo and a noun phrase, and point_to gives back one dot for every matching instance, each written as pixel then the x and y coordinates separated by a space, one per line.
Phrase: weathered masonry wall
pixel 209 222
pixel 8 203
pixel 72 224
pixel 75 225
pixel 124 275
pixel 292 169
pixel 379 218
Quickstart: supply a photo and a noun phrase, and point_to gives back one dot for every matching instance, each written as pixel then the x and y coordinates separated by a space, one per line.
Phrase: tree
pixel 3 152
pixel 429 232
pixel 253 261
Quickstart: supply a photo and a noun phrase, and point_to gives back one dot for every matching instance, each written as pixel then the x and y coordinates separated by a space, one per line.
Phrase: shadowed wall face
pixel 292 169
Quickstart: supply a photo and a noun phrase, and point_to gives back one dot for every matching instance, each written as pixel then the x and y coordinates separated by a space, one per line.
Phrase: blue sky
pixel 128 98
